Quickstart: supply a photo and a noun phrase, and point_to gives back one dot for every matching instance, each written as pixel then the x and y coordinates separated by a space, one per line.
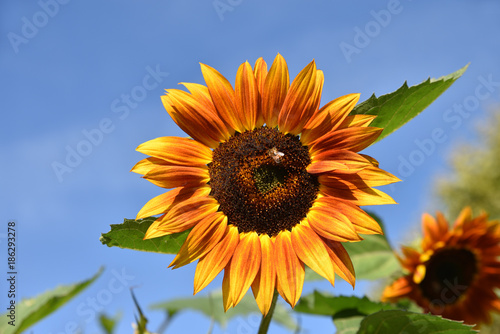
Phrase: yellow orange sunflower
pixel 268 183
pixel 456 273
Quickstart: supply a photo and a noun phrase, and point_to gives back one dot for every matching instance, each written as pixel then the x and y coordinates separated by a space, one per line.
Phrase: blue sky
pixel 70 67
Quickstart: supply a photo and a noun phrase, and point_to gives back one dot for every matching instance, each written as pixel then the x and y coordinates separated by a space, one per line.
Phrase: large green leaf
pixel 373 257
pixel 131 232
pixel 395 109
pixel 402 322
pixel 30 311
pixel 347 311
pixel 338 306
pixel 211 306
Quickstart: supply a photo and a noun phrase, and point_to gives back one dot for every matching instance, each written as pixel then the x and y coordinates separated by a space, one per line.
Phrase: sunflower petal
pixel 175 176
pixel 400 288
pixel 357 196
pixel 222 94
pixel 363 222
pixel 245 265
pixel 212 263
pixel 194 118
pixel 201 94
pixel 357 121
pixel 289 269
pixel 177 151
pixel 275 91
pixel 340 161
pixel 312 251
pixel 247 96
pixel 330 224
pixel 184 215
pixel 260 73
pixel 202 238
pixel 301 101
pixel 328 118
pixel 145 165
pixel 264 283
pixel 352 139
pixel 341 261
pixel 164 202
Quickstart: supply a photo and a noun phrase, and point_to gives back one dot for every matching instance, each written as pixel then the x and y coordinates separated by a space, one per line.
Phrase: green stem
pixel 266 320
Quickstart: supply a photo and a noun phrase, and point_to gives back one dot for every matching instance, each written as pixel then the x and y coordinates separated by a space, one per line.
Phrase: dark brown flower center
pixel 260 180
pixel 449 273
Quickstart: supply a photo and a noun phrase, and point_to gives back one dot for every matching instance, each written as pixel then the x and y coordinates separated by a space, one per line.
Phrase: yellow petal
pixel 328 118
pixel 212 263
pixel 312 251
pixel 340 161
pixel 145 165
pixel 300 102
pixel 363 222
pixel 164 202
pixel 223 97
pixel 245 264
pixel 195 118
pixel 352 139
pixel 341 261
pixel 264 283
pixel 331 224
pixel 275 91
pixel 202 238
pixel 247 96
pixel 177 151
pixel 352 194
pixel 184 215
pixel 289 269
pixel 175 176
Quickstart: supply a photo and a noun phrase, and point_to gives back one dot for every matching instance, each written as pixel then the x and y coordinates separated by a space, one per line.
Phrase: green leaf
pixel 142 321
pixel 131 232
pixel 348 325
pixel 373 257
pixel 347 311
pixel 30 311
pixel 211 306
pixel 339 306
pixel 402 322
pixel 108 324
pixel 395 109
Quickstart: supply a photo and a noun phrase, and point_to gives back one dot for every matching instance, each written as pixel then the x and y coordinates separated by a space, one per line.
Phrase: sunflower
pixel 268 183
pixel 456 273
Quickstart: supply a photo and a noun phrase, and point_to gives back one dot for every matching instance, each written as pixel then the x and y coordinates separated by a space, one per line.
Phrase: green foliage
pixel 352 314
pixel 373 257
pixel 130 235
pixel 474 179
pixel 402 322
pixel 347 312
pixel 395 109
pixel 30 311
pixel 338 306
pixel 211 306
pixel 108 324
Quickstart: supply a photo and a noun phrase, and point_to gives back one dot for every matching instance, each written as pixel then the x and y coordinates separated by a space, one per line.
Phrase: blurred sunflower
pixel 458 270
pixel 268 183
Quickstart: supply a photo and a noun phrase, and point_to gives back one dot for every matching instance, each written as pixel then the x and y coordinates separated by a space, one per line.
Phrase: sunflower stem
pixel 266 320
